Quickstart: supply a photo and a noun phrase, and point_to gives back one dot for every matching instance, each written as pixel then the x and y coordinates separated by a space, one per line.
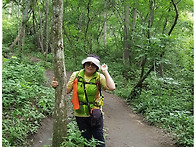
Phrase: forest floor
pixel 124 128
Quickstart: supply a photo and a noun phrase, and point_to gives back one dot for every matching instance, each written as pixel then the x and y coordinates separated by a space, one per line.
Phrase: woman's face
pixel 90 68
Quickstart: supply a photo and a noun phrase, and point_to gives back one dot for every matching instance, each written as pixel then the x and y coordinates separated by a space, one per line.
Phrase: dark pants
pixel 88 132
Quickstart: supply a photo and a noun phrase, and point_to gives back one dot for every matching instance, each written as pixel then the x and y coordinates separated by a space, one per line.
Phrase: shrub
pixel 74 138
pixel 25 100
pixel 168 104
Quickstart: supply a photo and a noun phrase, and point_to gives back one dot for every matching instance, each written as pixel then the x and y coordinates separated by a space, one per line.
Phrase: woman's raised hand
pixel 104 67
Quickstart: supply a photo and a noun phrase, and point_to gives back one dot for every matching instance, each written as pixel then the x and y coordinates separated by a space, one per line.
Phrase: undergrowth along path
pixel 123 127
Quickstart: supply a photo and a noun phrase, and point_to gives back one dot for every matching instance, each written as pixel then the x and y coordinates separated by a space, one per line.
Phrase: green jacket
pixel 91 90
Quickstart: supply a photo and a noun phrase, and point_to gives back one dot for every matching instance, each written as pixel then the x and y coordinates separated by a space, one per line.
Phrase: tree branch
pixel 176 17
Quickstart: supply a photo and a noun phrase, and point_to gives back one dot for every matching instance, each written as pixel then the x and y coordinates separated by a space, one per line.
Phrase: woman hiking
pixel 87 98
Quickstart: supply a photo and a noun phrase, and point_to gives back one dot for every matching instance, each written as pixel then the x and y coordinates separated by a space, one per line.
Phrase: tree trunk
pixel 176 17
pixel 71 44
pixel 46 31
pixel 24 21
pixel 21 33
pixel 138 87
pixel 135 90
pixel 34 19
pixel 10 10
pixel 105 26
pixel 60 110
pixel 133 23
pixel 126 52
pixel 87 25
pixel 40 34
pixel 68 34
pixel 170 31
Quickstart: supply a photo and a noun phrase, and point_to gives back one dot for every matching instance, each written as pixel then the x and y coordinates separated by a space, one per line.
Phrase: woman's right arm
pixel 69 84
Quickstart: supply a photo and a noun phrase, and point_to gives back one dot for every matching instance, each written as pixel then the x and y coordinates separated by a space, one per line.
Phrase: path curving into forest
pixel 123 127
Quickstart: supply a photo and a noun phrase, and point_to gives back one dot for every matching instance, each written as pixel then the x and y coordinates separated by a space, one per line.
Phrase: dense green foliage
pixel 26 101
pixel 168 104
pixel 165 96
pixel 75 139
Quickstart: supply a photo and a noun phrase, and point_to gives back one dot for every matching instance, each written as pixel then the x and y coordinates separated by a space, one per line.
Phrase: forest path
pixel 123 127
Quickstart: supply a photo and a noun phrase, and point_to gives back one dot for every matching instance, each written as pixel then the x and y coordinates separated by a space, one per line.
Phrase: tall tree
pixel 46 30
pixel 105 25
pixel 21 34
pixel 126 52
pixel 138 87
pixel 43 25
pixel 60 112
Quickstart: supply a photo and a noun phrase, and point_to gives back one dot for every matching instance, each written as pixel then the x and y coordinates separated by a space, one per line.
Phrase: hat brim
pixel 93 60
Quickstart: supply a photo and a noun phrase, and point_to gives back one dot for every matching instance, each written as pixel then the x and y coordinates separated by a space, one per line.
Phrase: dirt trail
pixel 127 129
pixel 123 127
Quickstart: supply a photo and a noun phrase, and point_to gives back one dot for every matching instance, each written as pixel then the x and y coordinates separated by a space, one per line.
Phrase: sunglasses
pixel 90 64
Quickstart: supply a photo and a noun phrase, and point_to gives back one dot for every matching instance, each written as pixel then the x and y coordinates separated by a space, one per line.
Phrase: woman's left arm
pixel 110 85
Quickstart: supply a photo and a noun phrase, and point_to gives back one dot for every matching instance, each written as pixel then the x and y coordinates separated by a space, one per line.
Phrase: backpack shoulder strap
pixel 99 84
